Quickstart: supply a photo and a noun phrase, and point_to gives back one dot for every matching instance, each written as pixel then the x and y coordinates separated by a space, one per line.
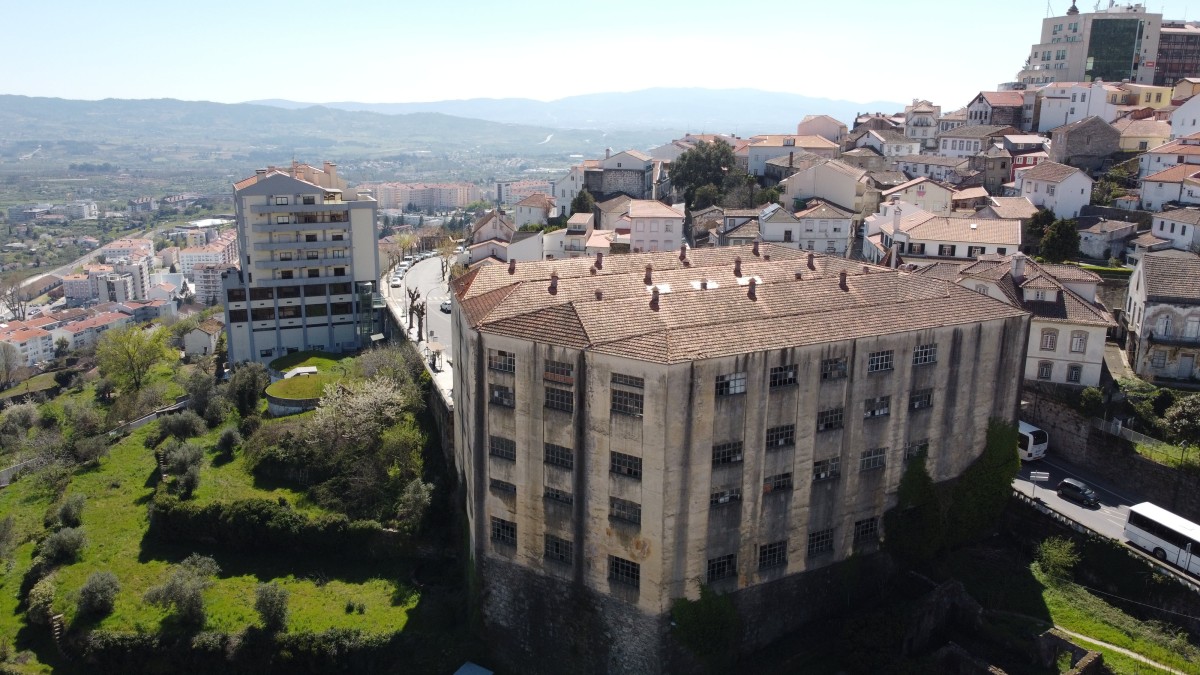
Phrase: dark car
pixel 1077 491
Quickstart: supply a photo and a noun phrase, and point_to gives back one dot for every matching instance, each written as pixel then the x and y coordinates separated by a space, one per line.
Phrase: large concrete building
pixel 630 427
pixel 1118 42
pixel 310 262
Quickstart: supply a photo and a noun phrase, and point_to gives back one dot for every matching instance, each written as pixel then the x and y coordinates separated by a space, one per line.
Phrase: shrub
pixel 1091 402
pixel 246 387
pixel 271 603
pixel 22 417
pixel 90 450
pixel 1057 557
pixel 70 512
pixel 8 535
pixel 84 419
pixel 188 482
pixel 249 425
pixel 98 594
pixel 63 546
pixel 183 456
pixel 184 425
pixel 39 604
pixel 217 411
pixel 230 439
pixel 184 587
pixel 709 627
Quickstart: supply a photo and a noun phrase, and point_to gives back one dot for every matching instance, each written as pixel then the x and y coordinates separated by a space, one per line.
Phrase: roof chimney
pixel 599 260
pixel 607 153
pixel 593 270
pixel 750 291
pixel 599 294
pixel 895 220
pixel 1018 268
pixel 512 265
pixel 553 283
pixel 737 267
pixel 649 279
pixel 811 264
pixel 895 261
pixel 799 276
pixel 791 158
pixel 683 252
pixel 866 270
pixel 842 282
pixel 654 301
pixel 704 284
pixel 755 250
pixel 260 172
pixel 767 257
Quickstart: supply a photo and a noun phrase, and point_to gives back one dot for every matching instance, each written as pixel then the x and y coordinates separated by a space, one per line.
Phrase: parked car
pixel 1077 491
pixel 446 306
pixel 395 283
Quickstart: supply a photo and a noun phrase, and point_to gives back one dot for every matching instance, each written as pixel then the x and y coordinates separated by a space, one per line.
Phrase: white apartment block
pixel 654 226
pixel 34 344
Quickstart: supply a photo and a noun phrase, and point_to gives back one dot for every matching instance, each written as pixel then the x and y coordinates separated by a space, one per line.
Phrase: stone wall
pixel 1142 218
pixel 1073 438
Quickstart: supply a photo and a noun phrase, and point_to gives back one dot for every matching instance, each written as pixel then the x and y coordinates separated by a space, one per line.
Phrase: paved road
pixel 1108 519
pixel 426 276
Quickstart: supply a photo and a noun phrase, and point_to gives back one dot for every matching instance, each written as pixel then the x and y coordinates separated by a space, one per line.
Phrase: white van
pixel 1031 442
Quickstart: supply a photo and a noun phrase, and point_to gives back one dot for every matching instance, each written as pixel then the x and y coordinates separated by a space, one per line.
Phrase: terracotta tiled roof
pixel 1146 239
pixel 1172 276
pixel 976 131
pixel 970 193
pixel 1175 174
pixel 932 160
pixel 538 200
pixel 1006 99
pixel 913 183
pixel 1013 207
pixel 649 208
pixel 1051 172
pixel 1189 216
pixel 1148 128
pixel 820 209
pixel 747 230
pixel 1177 147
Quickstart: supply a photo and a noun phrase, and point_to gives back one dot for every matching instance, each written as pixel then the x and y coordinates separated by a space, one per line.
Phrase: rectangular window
pixel 918 249
pixel 731 495
pixel 722 567
pixel 728 385
pixel 917 448
pixel 783 376
pixel 282 220
pixel 878 362
pixel 772 555
pixel 281 201
pixel 316 309
pixel 559 371
pixel 1079 342
pixel 1074 374
pixel 866 531
pixel 826 469
pixel 778 437
pixel 820 542
pixel 628 381
pixel 920 399
pixel 946 250
pixel 262 314
pixel 266 352
pixel 780 482
pixel 289 312
pixel 560 496
pixel 310 238
pixel 1158 358
pixel 627 402
pixel 560 399
pixel 833 369
pixel 925 354
pixel 624 571
pixel 237 316
pixel 623 509
pixel 502 361
pixel 503 448
pixel 877 407
pixel 872 459
pixel 236 295
pixel 502 486
pixel 314 273
pixel 262 293
pixel 625 465
pixel 504 531
pixel 727 453
pixel 339 271
pixel 559 549
pixel 557 455
pixel 1045 370
pixel 828 420
pixel 502 396
pixel 312 255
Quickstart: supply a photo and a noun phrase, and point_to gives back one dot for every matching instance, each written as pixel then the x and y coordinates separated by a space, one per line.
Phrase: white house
pixel 831 181
pixel 566 188
pixel 935 167
pixel 494 224
pixel 535 209
pixel 654 226
pixel 970 139
pixel 1062 189
pixel 1171 186
pixel 765 148
pixel 890 143
pixel 921 122
pixel 917 233
pixel 1162 314
pixel 1179 226
pixel 1184 150
pixel 202 340
pixel 820 227
pixel 1062 103
pixel 1185 120
pixel 925 194
pixel 824 126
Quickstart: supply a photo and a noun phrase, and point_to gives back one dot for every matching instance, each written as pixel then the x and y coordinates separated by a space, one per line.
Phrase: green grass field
pixel 330 368
pixel 324 361
pixel 303 386
pixel 40 382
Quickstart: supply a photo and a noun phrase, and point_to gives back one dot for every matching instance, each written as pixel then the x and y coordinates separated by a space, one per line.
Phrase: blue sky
pixel 424 50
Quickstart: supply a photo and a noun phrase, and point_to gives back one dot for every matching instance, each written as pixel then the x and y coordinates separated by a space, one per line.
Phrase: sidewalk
pixel 443 375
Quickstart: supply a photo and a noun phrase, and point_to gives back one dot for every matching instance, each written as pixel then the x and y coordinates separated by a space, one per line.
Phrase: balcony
pixel 297 263
pixel 1173 339
pixel 299 245
pixel 333 226
pixel 327 207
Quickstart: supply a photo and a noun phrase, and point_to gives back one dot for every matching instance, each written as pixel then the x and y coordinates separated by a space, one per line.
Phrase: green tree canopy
pixel 583 202
pixel 127 354
pixel 1183 419
pixel 705 164
pixel 1060 241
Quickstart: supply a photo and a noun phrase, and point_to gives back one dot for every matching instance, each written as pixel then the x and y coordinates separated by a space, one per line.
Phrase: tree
pixel 705 164
pixel 246 387
pixel 914 526
pixel 414 301
pixel 407 241
pixel 10 364
pixel 985 488
pixel 446 255
pixel 98 594
pixel 1061 241
pixel 583 202
pixel 14 297
pixel 271 603
pixel 1182 419
pixel 1038 224
pixel 706 196
pixel 127 354
pixel 184 587
pixel 61 346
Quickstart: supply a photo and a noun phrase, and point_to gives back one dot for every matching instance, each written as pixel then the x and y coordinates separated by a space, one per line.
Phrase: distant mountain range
pixel 742 111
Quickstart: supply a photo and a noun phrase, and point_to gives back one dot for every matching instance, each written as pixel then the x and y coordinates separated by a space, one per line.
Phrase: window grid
pixel 873 459
pixel 833 369
pixel 559 371
pixel 778 437
pixel 503 448
pixel 560 399
pixel 502 396
pixel 623 509
pixel 727 453
pixel 627 403
pixel 503 361
pixel 1074 373
pixel 624 571
pixel 625 465
pixel 557 455
pixel 628 381
pixel 502 485
pixel 828 420
pixel 866 531
pixel 1079 341
pixel 731 495
pixel 878 362
pixel 827 469
pixel 773 554
pixel 780 482
pixel 926 354
pixel 1049 339
pixel 1158 358
pixel 877 407
pixel 783 376
pixel 733 383
pixel 1045 370
pixel 504 531
pixel 722 567
pixel 556 495
pixel 917 448
pixel 820 541
pixel 921 399
pixel 559 549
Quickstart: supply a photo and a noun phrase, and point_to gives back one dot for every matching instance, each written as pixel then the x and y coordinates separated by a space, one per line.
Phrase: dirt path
pixel 1120 650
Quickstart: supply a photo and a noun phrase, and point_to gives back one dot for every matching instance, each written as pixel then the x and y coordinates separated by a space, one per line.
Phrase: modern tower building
pixel 1119 42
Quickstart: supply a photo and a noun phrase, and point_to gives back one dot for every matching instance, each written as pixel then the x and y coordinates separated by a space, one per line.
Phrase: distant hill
pixel 308 131
pixel 741 111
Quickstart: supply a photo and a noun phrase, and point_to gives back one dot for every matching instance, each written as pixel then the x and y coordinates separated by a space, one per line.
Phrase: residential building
pixel 1181 227
pixel 819 227
pixel 866 158
pixel 1178 52
pixel 1170 187
pixel 1066 102
pixel 921 122
pixel 993 165
pixel 933 167
pixel 970 139
pixel 493 225
pixel 654 226
pixel 1112 44
pixel 221 251
pixel 310 263
pixel 631 428
pixel 86 332
pixel 763 148
pixel 925 194
pixel 824 126
pixel 1184 119
pixel 509 192
pixel 1139 135
pixel 1185 150
pixel 579 229
pixel 1162 315
pixel 536 209
pixel 1062 189
pixel 143 205
pixel 422 196
pixel 34 344
pixel 996 108
pixel 565 189
pixel 528 246
pixel 1068 325
pixel 833 182
pixel 890 143
pixel 82 210
pixel 207 280
pixel 1102 239
pixel 202 340
pixel 1085 144
pixel 952 120
pixel 913 232
pixel 630 172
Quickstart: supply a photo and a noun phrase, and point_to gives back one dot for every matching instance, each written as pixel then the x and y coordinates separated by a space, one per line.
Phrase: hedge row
pixel 263 526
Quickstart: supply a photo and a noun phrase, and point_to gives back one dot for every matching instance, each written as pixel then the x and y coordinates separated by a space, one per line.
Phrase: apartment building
pixel 426 195
pixel 207 281
pixel 309 265
pixel 631 427
pixel 222 249
pixel 34 344
pixel 1115 43
pixel 1162 315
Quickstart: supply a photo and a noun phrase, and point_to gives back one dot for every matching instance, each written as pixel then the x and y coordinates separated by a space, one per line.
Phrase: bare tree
pixel 407 242
pixel 14 297
pixel 11 363
pixel 419 310
pixel 445 252
pixel 414 300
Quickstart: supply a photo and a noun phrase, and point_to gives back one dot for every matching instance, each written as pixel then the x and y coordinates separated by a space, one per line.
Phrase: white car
pixel 446 306
pixel 395 283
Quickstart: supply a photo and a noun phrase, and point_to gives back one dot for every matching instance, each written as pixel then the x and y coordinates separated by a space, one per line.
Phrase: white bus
pixel 1165 535
pixel 1031 442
